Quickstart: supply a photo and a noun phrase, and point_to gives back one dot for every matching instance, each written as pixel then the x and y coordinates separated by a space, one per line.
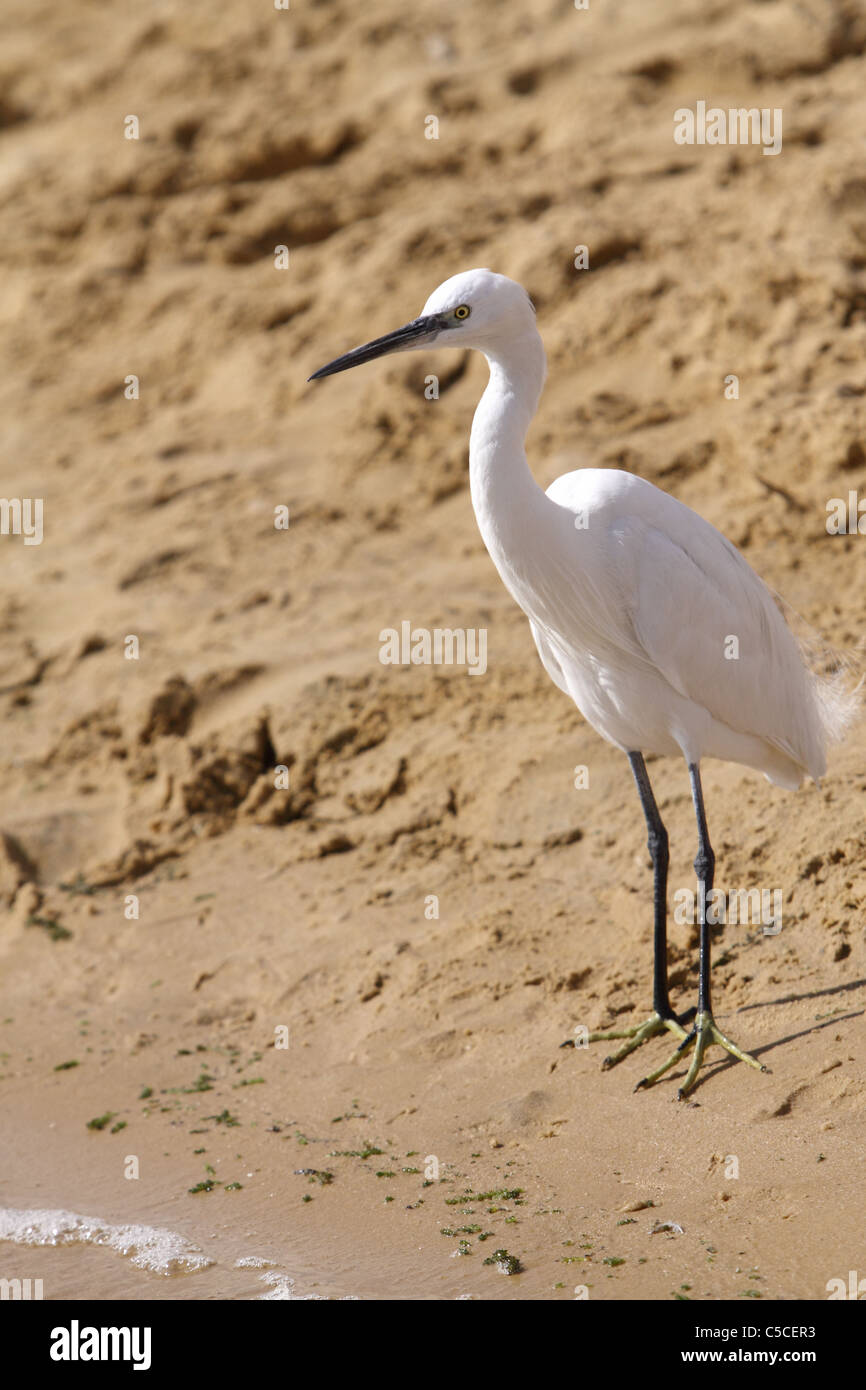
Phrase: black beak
pixel 414 334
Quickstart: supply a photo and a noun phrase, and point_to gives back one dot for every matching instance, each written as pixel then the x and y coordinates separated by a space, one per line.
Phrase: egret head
pixel 475 309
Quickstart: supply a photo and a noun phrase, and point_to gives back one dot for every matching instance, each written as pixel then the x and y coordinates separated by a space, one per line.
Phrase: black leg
pixel 705 863
pixel 657 843
pixel 705 1031
pixel 662 1017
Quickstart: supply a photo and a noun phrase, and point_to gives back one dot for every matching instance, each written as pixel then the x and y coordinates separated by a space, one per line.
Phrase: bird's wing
pixel 696 610
pixel 710 626
pixel 549 659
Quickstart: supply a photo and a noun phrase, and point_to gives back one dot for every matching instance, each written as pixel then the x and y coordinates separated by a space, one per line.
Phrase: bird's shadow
pixel 723 1063
pixel 797 998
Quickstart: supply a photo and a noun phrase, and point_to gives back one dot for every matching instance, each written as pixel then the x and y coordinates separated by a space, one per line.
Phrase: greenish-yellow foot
pixel 703 1035
pixel 656 1023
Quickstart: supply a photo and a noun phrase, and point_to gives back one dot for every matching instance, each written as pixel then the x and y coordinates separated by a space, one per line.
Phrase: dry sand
pixel 260 909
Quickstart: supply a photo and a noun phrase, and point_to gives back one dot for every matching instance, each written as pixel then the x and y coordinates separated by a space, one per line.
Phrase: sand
pixel 305 915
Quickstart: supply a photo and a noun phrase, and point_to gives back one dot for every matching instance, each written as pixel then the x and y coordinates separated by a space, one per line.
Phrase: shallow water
pixel 77 1256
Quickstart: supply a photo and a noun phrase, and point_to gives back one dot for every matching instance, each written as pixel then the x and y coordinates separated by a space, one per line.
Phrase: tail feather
pixel 836 677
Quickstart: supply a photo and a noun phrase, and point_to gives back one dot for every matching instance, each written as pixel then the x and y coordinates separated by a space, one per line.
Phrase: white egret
pixel 637 606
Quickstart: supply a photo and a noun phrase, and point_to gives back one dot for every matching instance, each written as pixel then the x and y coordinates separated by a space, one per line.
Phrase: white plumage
pixel 696 657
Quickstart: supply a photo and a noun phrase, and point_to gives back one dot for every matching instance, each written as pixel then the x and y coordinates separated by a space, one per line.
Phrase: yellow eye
pixel 462 311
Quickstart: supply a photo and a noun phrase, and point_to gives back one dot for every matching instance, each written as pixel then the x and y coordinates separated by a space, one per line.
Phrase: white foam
pixel 283 1290
pixel 147 1247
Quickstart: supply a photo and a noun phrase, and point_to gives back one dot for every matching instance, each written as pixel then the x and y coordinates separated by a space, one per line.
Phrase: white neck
pixel 501 485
